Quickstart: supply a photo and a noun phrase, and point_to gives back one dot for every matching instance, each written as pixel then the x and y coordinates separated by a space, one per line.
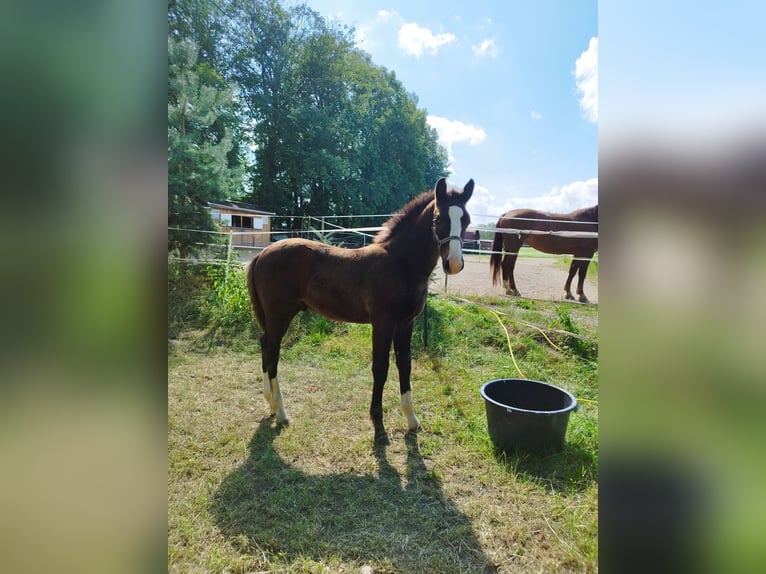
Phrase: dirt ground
pixel 536 278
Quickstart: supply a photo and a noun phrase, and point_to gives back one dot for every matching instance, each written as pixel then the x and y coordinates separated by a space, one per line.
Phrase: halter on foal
pixel 384 283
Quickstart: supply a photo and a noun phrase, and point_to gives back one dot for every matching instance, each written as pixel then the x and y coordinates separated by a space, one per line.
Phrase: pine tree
pixel 198 144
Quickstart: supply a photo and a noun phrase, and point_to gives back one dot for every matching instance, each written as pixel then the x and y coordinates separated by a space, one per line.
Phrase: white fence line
pixel 365 231
pixel 230 246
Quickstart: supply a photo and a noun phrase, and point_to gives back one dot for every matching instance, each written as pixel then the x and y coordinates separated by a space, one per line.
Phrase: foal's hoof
pixel 382 439
pixel 584 299
pixel 414 427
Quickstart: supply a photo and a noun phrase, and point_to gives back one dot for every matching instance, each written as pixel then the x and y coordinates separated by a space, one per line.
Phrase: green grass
pixel 316 496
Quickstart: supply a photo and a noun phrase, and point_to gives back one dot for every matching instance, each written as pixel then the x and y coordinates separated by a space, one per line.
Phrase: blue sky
pixel 682 73
pixel 511 87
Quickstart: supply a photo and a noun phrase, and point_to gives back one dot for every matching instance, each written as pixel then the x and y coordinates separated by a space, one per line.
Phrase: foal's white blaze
pixel 409 411
pixel 455 257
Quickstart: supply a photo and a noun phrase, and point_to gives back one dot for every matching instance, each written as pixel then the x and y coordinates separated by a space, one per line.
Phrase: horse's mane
pixel 404 216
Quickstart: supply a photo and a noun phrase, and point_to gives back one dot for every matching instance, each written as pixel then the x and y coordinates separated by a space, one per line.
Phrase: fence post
pixel 228 260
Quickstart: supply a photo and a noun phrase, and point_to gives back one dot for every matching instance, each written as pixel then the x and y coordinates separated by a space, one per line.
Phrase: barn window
pixel 242 221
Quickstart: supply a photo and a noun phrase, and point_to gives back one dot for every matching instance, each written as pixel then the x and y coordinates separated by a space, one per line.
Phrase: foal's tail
pixel 496 258
pixel 258 313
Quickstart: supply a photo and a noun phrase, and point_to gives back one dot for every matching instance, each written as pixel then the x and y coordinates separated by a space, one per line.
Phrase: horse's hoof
pixel 382 440
pixel 584 299
pixel 569 297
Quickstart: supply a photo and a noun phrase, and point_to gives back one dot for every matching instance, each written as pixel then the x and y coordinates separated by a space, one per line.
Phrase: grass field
pixel 316 496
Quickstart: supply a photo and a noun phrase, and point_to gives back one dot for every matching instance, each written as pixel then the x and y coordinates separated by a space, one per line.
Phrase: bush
pixel 208 297
pixel 226 308
pixel 188 286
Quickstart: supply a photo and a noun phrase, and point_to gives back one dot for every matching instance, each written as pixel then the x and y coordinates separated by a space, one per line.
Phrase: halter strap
pixel 440 242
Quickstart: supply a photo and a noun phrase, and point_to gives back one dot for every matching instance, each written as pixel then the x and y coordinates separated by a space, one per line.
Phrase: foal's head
pixel 450 222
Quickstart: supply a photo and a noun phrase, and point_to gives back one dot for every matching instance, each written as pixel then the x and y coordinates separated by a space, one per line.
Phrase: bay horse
pixel 384 283
pixel 541 230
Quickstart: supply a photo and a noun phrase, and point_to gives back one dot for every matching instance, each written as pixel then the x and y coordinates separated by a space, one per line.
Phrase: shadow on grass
pixel 398 522
pixel 573 469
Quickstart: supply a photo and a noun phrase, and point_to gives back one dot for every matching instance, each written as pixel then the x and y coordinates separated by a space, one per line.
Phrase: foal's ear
pixel 468 190
pixel 441 190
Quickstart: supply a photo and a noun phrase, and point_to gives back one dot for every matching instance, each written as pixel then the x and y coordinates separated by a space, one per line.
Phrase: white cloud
pixel 586 77
pixel 562 199
pixel 413 39
pixel 386 15
pixel 483 207
pixel 487 49
pixel 362 37
pixel 535 115
pixel 568 197
pixel 453 131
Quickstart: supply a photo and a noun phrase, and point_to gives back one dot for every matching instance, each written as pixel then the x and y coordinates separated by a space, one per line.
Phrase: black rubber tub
pixel 527 415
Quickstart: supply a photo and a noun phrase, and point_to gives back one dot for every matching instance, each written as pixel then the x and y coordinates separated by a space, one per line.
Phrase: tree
pixel 330 132
pixel 198 168
pixel 333 133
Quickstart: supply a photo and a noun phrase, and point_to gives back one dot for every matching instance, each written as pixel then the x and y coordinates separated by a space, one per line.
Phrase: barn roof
pixel 241 206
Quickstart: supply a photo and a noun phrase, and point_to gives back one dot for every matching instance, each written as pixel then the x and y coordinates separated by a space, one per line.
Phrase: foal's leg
pixel 382 335
pixel 402 344
pixel 270 347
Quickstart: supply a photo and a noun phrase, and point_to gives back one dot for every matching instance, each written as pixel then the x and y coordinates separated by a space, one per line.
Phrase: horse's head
pixel 451 219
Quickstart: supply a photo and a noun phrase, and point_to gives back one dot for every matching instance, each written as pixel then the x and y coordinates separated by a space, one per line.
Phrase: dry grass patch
pixel 316 496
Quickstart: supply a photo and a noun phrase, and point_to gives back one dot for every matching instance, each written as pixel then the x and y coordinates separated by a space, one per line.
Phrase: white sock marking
pixel 277 402
pixel 408 409
pixel 267 388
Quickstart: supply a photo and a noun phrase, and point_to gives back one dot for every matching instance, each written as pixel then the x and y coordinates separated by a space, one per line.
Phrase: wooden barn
pixel 240 216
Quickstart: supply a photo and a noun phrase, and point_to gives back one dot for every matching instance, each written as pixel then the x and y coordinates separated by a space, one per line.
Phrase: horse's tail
pixel 258 312
pixel 495 260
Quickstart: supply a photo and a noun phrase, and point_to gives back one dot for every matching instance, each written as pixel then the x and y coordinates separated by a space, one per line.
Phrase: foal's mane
pixel 403 217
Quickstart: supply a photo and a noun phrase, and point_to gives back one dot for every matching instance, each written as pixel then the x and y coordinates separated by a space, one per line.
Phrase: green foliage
pixel 581 347
pixel 198 147
pixel 226 310
pixel 188 285
pixel 330 132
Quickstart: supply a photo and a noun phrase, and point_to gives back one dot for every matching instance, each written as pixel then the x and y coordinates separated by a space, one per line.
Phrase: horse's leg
pixel 581 280
pixel 568 285
pixel 382 336
pixel 504 268
pixel 512 245
pixel 402 344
